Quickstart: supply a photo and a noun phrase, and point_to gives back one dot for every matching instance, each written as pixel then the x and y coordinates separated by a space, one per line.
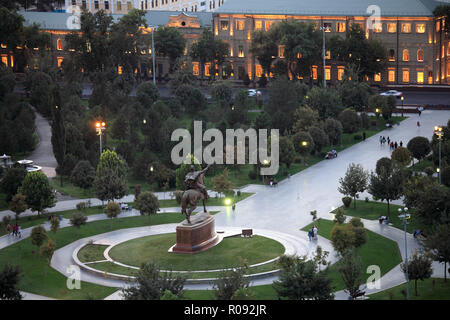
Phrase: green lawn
pixel 224 255
pixel 92 252
pixel 373 210
pixel 38 278
pixel 377 250
pixel 429 289
pixel 265 292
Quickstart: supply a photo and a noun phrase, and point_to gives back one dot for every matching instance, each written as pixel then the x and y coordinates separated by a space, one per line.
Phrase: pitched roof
pixel 59 21
pixel 388 8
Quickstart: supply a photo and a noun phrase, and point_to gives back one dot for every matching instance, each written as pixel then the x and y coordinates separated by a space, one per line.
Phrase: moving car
pixel 395 93
pixel 254 92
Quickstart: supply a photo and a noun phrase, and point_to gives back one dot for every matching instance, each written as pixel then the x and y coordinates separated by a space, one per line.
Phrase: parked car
pixel 254 92
pixel 394 93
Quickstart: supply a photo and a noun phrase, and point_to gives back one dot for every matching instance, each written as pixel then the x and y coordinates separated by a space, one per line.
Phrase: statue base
pixel 197 236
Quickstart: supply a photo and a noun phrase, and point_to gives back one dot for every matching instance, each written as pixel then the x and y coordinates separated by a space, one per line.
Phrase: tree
pixel 439 245
pixel 12 181
pixel 287 151
pixel 191 98
pixel 387 184
pixel 402 155
pixel 443 13
pixel 339 216
pixel 350 268
pixel 83 175
pixel 222 93
pixel 305 118
pixel 151 284
pixel 432 204
pixel 333 128
pixel 58 131
pixel 264 48
pixel 54 224
pixel 326 101
pixel 299 280
pixel 38 192
pixel 112 210
pixel 9 279
pixel 419 147
pixel 320 138
pixel 18 204
pixel 147 94
pixel 230 281
pixel 350 120
pixel 419 268
pixel 147 204
pixel 221 184
pixel 169 42
pixel 351 235
pixel 77 220
pixel 263 121
pixel 320 257
pixel 47 251
pixel 354 182
pixel 355 94
pixel 38 236
pixel 110 179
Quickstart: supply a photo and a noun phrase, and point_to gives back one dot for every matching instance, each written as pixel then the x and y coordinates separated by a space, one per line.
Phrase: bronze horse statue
pixel 190 198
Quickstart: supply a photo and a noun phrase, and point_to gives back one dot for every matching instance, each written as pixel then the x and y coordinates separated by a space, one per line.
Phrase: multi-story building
pixel 418 49
pixel 123 6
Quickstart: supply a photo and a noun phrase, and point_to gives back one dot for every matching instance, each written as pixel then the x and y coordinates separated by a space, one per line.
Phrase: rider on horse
pixel 192 180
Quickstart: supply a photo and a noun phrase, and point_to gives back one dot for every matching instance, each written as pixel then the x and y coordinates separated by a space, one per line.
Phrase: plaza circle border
pixel 284 239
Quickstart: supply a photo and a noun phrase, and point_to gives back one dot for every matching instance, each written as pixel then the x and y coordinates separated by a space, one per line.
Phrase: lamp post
pixel 153 55
pixel 402 98
pixel 100 127
pixel 304 145
pixel 323 54
pixel 405 217
pixel 439 134
pixel 151 170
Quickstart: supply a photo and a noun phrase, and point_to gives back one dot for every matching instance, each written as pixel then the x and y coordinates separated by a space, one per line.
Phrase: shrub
pixel 351 121
pixel 347 201
pixel 81 206
pixel 446 176
pixel 83 175
pixel 252 175
pixel 357 137
pixel 238 193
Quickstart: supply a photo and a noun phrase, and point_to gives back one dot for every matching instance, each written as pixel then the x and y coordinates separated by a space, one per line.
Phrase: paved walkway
pixel 286 208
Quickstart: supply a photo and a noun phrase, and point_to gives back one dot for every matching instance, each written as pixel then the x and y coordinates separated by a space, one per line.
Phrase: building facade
pixel 124 6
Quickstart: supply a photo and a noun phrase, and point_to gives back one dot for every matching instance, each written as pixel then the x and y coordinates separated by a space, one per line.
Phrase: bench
pixel 247 232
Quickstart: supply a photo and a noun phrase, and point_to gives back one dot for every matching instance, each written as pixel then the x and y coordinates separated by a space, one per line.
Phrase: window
pixel 119 6
pixel 377 77
pixel 129 6
pixel 106 5
pixel 74 2
pixel 391 75
pixel 88 46
pixel 258 70
pixel 96 5
pixel 267 25
pixel 327 73
pixel 341 71
pixel 195 68
pixel 377 27
pixel 327 26
pixel 258 24
pixel 340 26
pixel 328 54
pixel 240 24
pixel 59 44
pixel 314 72
pixel 207 69
pixel 5 59
pixel 420 77
pixel 119 70
pixel 438 26
pixel 3 46
pixel 83 4
pixel 224 25
pixel 406 27
pixel 420 56
pixel 420 28
pixel 392 55
pixel 241 52
pixel 281 51
pixel 60 61
pixel 405 76
pixel 391 27
pixel 405 55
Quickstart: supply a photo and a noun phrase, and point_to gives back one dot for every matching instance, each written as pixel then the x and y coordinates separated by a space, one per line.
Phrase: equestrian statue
pixel 195 190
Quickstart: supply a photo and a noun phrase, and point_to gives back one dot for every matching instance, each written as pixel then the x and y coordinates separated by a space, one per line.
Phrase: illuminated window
pixel 241 52
pixel 405 55
pixel 224 25
pixel 88 46
pixel 299 55
pixel 327 73
pixel 392 55
pixel 59 44
pixel 258 70
pixel 443 51
pixel 281 51
pixel 448 70
pixel 314 72
pixel 119 6
pixel 391 27
pixel 438 26
pixel 240 24
pixel 340 26
pixel 267 25
pixel 119 70
pixel 406 27
pixel 5 59
pixel 328 54
pixel 377 77
pixel 258 24
pixel 3 46
pixel 430 77
pixel 377 27
pixel 405 75
pixel 207 69
pixel 420 28
pixel 195 68
pixel 420 56
pixel 420 77
pixel 391 75
pixel 60 61
pixel 341 71
pixel 327 26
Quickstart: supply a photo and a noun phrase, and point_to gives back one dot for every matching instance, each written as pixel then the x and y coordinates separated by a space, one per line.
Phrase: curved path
pixel 286 208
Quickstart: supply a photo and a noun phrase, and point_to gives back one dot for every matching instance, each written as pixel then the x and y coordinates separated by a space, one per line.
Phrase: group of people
pixel 383 219
pixel 16 230
pixel 392 144
pixel 312 234
pixel 272 182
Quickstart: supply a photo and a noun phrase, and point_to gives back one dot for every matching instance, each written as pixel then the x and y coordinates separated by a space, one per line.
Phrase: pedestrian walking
pixel 395 145
pixel 418 124
pixel 14 230
pixel 310 234
pixel 19 231
pixel 314 230
pixel 381 140
pixel 384 140
pixel 364 135
pixel 389 140
pixel 391 145
pixel 401 143
pixel 8 229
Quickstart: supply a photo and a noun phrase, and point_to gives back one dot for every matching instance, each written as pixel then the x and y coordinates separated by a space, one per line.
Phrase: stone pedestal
pixel 197 236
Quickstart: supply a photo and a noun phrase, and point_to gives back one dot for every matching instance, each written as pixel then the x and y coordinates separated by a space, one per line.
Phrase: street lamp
pixel 153 54
pixel 405 216
pixel 100 127
pixel 151 170
pixel 402 98
pixel 323 54
pixel 439 134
